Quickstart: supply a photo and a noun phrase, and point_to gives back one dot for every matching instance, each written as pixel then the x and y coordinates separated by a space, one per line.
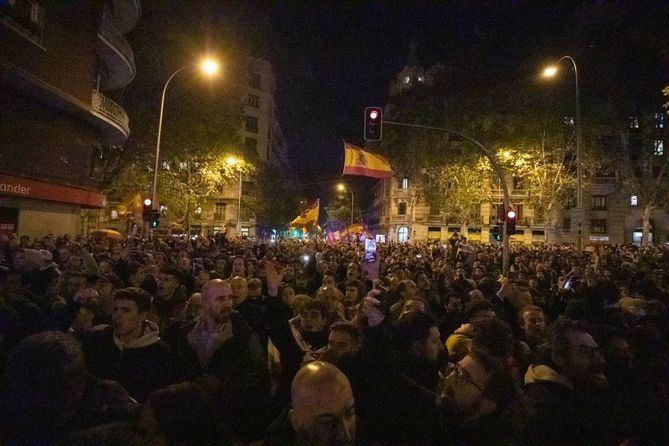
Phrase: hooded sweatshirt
pixel 560 414
pixel 141 366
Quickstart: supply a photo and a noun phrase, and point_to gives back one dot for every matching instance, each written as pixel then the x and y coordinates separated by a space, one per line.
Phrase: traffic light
pixel 373 122
pixel 155 219
pixel 147 210
pixel 510 221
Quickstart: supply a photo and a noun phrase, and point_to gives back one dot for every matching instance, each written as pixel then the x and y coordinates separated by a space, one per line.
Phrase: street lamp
pixel 341 187
pixel 549 72
pixel 207 66
pixel 232 161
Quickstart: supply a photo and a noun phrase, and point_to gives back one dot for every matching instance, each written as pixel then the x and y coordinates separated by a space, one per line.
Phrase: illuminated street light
pixel 341 187
pixel 550 72
pixel 208 67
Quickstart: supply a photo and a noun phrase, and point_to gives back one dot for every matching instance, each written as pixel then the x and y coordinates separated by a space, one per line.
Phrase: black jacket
pixel 146 365
pixel 239 369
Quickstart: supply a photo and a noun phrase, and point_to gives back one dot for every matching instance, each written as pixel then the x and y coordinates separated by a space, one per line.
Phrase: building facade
pixel 58 116
pixel 263 144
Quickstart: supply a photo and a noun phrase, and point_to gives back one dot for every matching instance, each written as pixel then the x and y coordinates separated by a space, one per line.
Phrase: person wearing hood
pixel 130 351
pixel 567 392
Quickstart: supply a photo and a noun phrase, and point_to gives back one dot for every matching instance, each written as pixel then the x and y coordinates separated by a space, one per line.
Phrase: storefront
pixel 36 208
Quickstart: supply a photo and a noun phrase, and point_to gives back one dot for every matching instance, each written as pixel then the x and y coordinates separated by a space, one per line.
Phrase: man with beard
pixel 322 410
pixel 567 392
pixel 224 352
pixel 401 372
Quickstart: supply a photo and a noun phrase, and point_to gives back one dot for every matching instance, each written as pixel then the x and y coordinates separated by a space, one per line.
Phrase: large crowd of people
pixel 211 341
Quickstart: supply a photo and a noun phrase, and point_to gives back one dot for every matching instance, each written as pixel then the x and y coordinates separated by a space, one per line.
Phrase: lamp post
pixel 551 71
pixel 209 67
pixel 231 161
pixel 341 187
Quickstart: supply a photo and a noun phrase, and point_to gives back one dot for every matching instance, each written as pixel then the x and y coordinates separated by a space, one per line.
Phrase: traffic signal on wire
pixel 147 210
pixel 510 221
pixel 373 123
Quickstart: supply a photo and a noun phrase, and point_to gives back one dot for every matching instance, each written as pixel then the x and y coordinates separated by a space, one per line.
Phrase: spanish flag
pixel 309 215
pixel 368 164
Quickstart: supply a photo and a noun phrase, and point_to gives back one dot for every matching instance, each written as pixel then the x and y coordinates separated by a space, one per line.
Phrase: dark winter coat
pixel 147 364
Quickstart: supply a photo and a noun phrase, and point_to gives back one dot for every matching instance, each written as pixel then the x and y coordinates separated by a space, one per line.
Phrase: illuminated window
pixel 405 183
pixel 114 214
pixel 166 165
pixel 403 234
pixel 568 120
pixel 658 120
pixel 658 147
pixel 634 200
pixel 634 122
pixel 254 101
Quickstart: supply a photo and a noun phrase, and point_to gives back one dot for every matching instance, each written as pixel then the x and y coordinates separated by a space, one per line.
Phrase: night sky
pixel 331 59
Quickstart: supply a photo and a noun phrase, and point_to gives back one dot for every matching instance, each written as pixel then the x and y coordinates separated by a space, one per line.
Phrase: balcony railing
pixel 114 36
pixel 605 180
pixel 102 106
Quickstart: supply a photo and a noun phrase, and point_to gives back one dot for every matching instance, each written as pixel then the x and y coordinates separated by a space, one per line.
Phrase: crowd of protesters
pixel 297 342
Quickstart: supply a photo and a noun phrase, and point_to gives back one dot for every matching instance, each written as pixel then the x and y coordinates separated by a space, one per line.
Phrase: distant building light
pixel 658 147
pixel 407 79
pixel 421 79
pixel 634 200
pixel 634 122
pixel 114 214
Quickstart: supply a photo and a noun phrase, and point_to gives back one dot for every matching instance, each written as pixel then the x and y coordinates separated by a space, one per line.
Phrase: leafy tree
pixel 458 189
pixel 275 202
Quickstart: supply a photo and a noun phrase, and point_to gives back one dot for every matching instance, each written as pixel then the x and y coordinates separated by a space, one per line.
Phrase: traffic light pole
pixel 498 171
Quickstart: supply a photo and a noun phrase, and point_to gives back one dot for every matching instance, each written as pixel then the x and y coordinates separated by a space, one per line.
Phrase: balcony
pixel 124 13
pixel 114 120
pixel 116 54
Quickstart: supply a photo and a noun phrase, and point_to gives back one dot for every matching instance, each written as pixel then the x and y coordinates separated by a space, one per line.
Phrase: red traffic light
pixel 373 123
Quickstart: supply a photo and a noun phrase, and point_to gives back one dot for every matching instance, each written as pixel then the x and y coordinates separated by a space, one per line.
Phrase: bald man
pixel 323 409
pixel 222 348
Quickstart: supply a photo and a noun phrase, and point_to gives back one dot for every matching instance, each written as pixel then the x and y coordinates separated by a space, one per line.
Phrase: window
pixel 183 165
pixel 255 80
pixel 599 202
pixel 253 101
pixel 407 79
pixel 163 210
pixel 434 233
pixel 569 120
pixel 166 165
pixel 518 183
pixel 658 120
pixel 219 211
pixel 403 234
pixel 405 183
pixel 251 144
pixel 634 200
pixel 658 147
pixel 566 224
pixel 598 226
pixel 247 187
pixel 114 214
pixel 402 209
pixel 252 124
pixel 96 162
pixel 24 16
pixel 634 122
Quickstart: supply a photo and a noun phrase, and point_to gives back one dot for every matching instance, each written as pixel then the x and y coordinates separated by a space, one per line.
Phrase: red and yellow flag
pixel 360 162
pixel 309 215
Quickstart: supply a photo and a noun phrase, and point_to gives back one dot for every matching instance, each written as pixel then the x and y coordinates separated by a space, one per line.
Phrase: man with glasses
pixel 567 390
